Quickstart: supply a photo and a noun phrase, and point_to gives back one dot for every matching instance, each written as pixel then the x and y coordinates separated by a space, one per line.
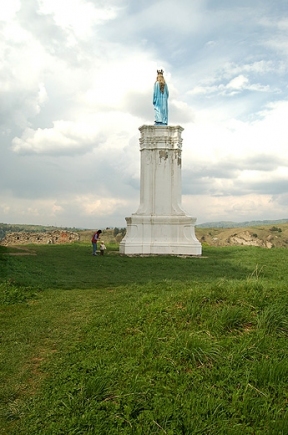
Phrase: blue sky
pixel 76 84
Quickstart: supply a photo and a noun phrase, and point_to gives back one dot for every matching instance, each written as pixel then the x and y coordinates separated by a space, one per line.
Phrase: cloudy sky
pixel 76 81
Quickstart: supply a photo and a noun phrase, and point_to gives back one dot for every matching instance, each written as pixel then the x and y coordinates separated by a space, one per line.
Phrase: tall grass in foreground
pixel 172 351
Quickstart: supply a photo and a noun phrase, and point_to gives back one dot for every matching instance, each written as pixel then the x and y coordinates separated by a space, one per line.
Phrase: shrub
pixel 275 229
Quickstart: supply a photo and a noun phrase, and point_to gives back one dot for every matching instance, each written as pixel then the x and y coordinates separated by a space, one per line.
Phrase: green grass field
pixel 153 345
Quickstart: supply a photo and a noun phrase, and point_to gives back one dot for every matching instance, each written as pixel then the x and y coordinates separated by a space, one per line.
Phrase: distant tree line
pixel 121 231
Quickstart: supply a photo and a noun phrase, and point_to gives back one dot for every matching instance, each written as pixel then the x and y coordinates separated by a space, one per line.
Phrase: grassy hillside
pixel 157 345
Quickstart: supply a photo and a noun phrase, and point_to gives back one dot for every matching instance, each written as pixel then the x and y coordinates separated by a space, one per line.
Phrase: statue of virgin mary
pixel 160 99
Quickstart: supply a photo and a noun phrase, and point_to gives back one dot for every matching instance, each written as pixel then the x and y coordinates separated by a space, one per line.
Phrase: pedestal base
pixel 160 235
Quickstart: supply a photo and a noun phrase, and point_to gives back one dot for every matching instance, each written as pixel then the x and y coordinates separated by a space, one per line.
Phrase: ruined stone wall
pixel 51 237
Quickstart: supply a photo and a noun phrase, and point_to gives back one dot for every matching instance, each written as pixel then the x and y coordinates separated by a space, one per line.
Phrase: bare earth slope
pixel 266 236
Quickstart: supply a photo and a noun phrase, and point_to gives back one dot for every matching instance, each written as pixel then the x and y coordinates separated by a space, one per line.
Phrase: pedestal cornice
pixel 160 136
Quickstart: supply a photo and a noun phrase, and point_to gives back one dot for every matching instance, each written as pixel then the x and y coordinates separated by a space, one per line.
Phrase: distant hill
pixel 266 233
pixel 228 224
pixel 265 236
pixel 19 228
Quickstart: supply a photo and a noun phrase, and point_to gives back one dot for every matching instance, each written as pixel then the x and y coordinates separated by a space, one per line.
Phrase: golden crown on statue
pixel 160 71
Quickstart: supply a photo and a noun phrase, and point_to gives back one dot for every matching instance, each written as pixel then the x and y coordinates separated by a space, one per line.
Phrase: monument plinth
pixel 160 226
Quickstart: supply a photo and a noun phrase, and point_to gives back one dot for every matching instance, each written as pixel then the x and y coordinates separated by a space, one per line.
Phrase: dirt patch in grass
pixel 17 251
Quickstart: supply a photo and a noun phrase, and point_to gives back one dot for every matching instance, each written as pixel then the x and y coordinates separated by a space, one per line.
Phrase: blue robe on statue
pixel 160 102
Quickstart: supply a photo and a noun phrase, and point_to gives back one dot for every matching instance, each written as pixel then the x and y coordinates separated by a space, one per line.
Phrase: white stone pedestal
pixel 160 226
